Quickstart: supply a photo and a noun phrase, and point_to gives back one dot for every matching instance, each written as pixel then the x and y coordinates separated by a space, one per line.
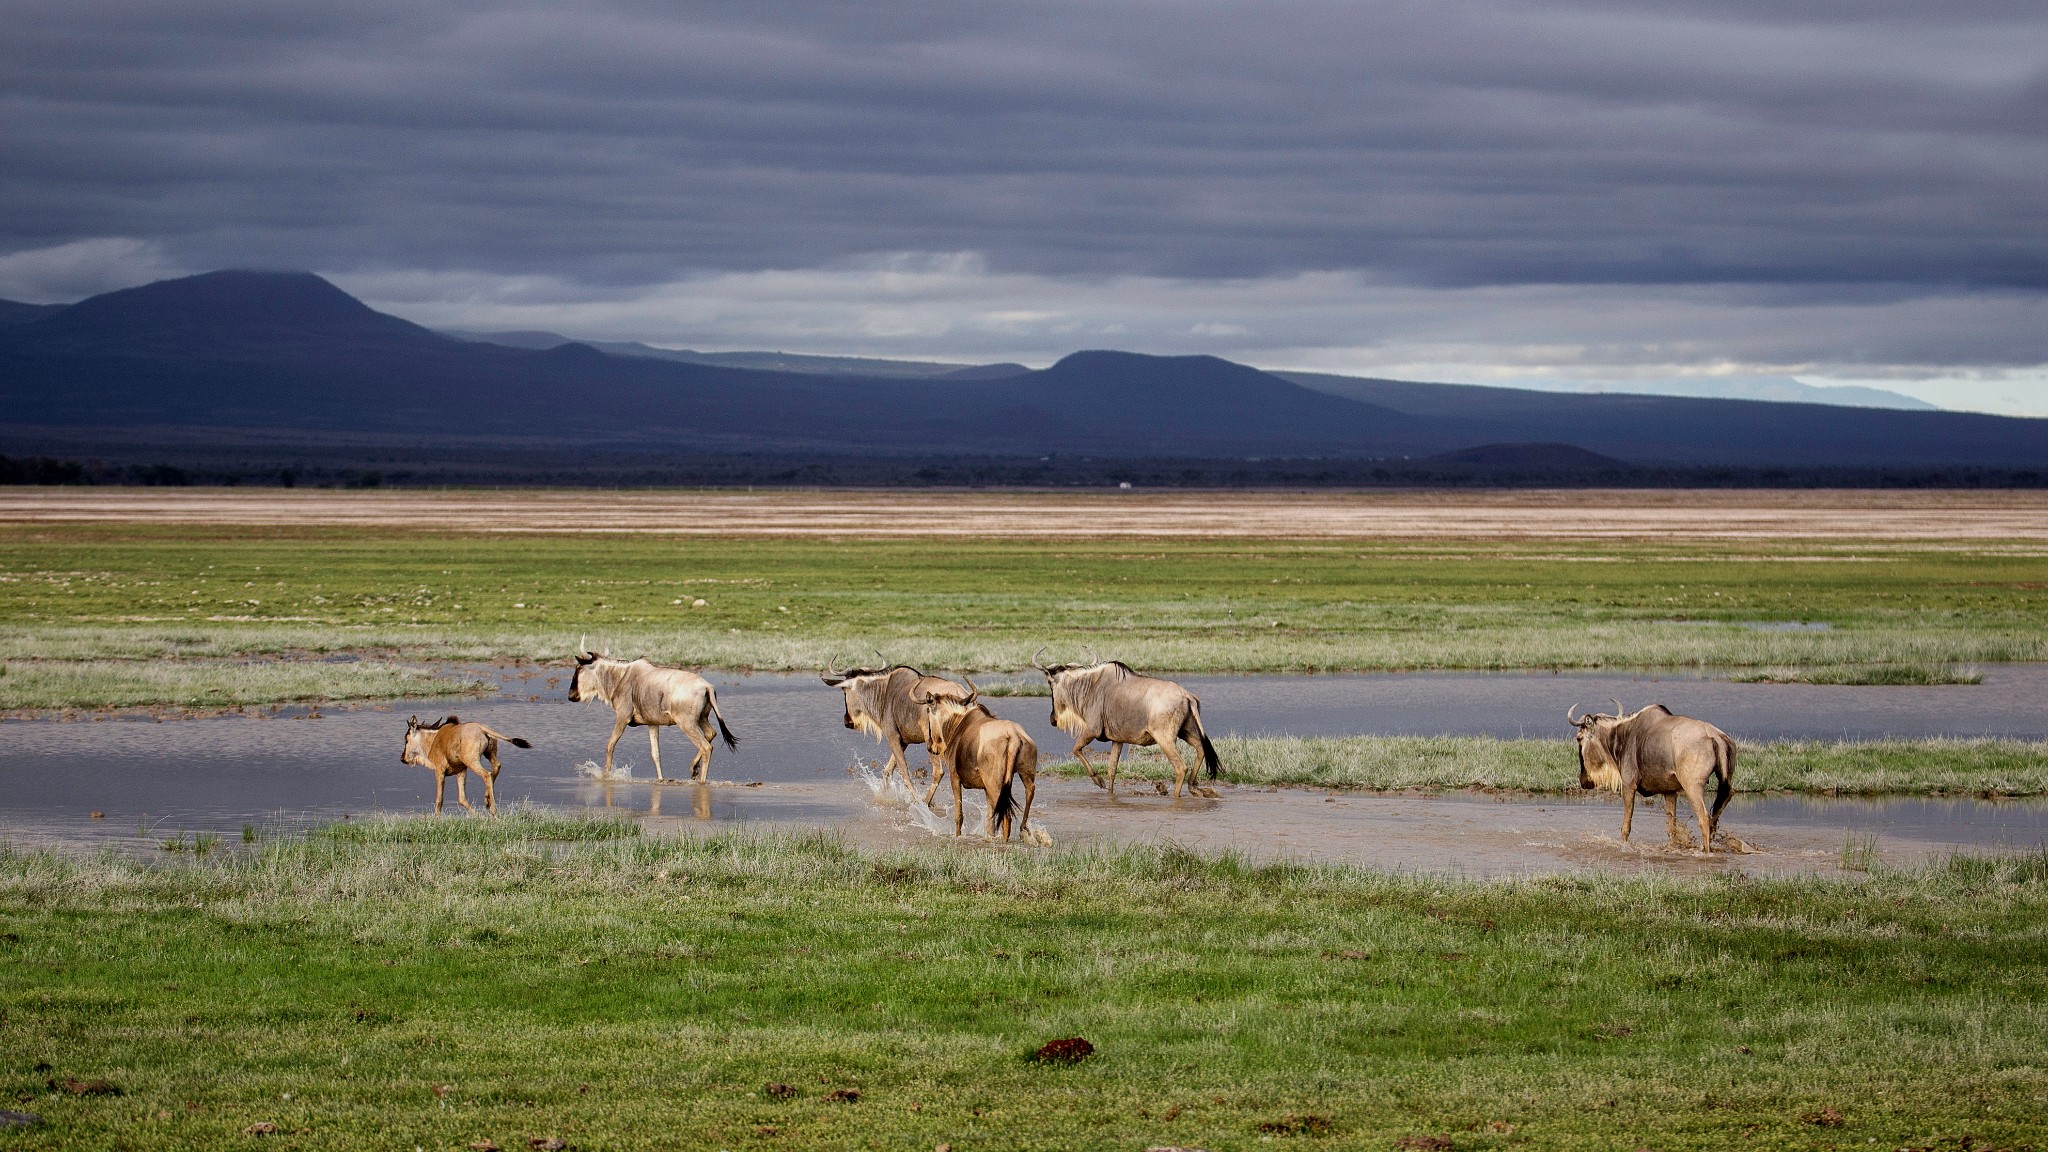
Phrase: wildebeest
pixel 1108 701
pixel 878 702
pixel 977 749
pixel 651 696
pixel 1656 753
pixel 448 747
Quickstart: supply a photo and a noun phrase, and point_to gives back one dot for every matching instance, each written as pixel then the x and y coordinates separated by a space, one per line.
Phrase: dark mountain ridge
pixel 252 354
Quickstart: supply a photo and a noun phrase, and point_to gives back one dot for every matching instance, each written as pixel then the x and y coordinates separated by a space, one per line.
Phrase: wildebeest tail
pixel 731 741
pixel 1724 766
pixel 514 741
pixel 1006 804
pixel 1209 756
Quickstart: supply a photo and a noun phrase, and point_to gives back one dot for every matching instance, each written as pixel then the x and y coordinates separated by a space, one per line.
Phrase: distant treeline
pixel 501 467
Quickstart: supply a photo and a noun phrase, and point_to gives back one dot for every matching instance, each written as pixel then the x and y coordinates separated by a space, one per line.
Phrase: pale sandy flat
pixel 1963 517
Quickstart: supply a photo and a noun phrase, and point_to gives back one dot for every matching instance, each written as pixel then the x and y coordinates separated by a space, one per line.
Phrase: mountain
pixel 15 312
pixel 764 361
pixel 247 355
pixel 1783 389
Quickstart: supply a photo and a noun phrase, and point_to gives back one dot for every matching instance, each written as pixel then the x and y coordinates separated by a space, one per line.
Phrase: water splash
pixel 621 770
pixel 889 792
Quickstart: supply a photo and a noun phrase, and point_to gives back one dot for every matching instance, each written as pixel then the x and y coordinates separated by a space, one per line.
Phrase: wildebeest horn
pixel 973 693
pixel 583 646
pixel 1571 717
pixel 919 696
pixel 1093 657
pixel 1618 709
pixel 882 658
pixel 1034 658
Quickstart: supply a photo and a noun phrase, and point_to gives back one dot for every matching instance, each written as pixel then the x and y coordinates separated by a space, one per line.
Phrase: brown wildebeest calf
pixel 978 750
pixel 1653 752
pixel 451 748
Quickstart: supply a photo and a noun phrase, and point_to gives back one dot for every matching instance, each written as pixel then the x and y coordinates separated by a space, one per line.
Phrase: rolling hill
pixel 246 355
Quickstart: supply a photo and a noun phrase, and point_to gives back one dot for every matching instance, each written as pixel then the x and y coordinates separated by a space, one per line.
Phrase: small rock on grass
pixel 844 1095
pixel 84 1087
pixel 260 1128
pixel 1424 1143
pixel 18 1119
pixel 546 1143
pixel 1825 1118
pixel 778 1090
pixel 483 1146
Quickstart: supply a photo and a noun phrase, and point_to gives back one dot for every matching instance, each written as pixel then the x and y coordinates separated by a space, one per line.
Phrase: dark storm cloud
pixel 1469 142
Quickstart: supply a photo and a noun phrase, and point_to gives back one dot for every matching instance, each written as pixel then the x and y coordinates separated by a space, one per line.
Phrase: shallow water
pixel 154 780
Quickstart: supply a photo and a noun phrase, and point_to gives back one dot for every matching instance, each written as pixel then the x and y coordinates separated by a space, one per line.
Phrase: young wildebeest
pixel 644 694
pixel 1656 753
pixel 1108 701
pixel 451 748
pixel 878 702
pixel 978 750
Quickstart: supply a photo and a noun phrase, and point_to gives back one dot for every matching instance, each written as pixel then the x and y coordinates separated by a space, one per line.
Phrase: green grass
pixel 105 592
pixel 436 983
pixel 1937 767
pixel 1879 675
pixel 203 684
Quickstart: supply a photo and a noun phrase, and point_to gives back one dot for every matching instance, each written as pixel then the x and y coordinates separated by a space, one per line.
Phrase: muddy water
pixel 153 781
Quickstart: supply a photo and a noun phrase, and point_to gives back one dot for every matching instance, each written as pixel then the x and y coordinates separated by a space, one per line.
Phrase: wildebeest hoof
pixel 1208 793
pixel 1159 787
pixel 1097 781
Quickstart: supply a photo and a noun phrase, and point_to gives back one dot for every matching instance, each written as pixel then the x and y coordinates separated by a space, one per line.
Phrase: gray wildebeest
pixel 1655 753
pixel 1108 701
pixel 448 747
pixel 878 702
pixel 648 695
pixel 979 750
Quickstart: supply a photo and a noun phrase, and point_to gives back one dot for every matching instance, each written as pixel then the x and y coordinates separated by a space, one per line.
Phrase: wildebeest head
pixel 416 737
pixel 857 688
pixel 583 683
pixel 1594 736
pixel 1074 685
pixel 943 713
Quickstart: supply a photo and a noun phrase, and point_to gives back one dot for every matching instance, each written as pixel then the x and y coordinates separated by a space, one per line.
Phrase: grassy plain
pixel 146 592
pixel 442 984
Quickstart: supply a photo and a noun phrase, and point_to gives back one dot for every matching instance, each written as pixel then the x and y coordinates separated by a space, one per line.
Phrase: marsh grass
pixel 1859 852
pixel 199 684
pixel 1936 767
pixel 463 981
pixel 1897 675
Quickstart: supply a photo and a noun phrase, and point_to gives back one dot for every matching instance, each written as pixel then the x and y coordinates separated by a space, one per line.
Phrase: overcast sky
pixel 1460 189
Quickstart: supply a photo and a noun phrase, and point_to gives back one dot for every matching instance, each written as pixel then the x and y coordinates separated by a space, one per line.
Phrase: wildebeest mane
pixel 443 722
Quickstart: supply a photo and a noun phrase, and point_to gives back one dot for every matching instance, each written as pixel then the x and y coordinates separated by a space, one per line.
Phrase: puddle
pixel 155 780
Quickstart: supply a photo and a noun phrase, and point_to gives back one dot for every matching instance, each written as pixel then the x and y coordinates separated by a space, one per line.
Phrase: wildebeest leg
pixel 1671 818
pixel 1030 786
pixel 938 773
pixel 898 762
pixel 958 809
pixel 654 746
pixel 1180 767
pixel 1116 755
pixel 1081 754
pixel 462 796
pixel 618 730
pixel 440 791
pixel 491 780
pixel 1696 795
pixel 993 785
pixel 1628 807
pixel 701 737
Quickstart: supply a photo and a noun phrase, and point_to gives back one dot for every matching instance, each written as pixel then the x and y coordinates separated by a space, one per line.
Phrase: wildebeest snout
pixel 847 716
